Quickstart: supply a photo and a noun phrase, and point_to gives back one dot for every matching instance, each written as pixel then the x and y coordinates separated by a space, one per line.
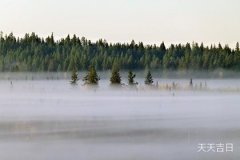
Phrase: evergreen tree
pixel 32 53
pixel 191 82
pixel 237 46
pixel 74 77
pixel 91 77
pixel 131 77
pixel 115 77
pixel 148 78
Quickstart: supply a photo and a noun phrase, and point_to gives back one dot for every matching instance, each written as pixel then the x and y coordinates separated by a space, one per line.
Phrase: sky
pixel 149 21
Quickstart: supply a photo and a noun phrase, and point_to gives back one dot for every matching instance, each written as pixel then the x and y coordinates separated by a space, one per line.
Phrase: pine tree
pixel 74 77
pixel 131 77
pixel 148 78
pixel 115 78
pixel 191 82
pixel 92 76
pixel 33 53
pixel 237 46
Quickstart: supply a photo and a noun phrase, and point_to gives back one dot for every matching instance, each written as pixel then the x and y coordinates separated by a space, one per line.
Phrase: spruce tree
pixel 191 82
pixel 115 78
pixel 237 46
pixel 74 77
pixel 131 77
pixel 148 78
pixel 91 77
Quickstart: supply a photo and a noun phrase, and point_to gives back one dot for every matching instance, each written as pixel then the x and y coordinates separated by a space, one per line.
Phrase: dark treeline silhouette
pixel 32 53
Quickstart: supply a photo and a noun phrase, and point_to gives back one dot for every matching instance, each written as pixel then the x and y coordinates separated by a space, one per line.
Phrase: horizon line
pixel 57 39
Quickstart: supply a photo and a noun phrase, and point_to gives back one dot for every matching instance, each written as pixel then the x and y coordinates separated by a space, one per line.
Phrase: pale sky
pixel 150 21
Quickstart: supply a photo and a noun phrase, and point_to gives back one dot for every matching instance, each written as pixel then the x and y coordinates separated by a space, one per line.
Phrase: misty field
pixel 50 119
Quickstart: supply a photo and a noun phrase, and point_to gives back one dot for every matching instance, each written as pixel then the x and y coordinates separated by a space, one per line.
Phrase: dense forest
pixel 32 53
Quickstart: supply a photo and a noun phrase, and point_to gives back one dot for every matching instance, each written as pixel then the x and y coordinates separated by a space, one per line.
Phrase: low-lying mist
pixel 43 116
pixel 216 74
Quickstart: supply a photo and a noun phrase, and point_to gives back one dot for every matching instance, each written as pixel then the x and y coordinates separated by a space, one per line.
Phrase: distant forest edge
pixel 35 54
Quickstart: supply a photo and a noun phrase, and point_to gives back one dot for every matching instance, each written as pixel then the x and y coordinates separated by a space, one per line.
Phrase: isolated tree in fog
pixel 115 77
pixel 148 78
pixel 131 77
pixel 91 77
pixel 191 82
pixel 74 77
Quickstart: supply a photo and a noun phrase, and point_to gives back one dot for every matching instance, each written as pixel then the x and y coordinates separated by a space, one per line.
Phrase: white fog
pixel 50 119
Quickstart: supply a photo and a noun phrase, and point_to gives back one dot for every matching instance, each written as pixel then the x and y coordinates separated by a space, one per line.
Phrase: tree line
pixel 92 78
pixel 35 54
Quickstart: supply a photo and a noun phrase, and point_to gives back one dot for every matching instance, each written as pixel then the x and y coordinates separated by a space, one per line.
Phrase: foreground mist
pixel 50 119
